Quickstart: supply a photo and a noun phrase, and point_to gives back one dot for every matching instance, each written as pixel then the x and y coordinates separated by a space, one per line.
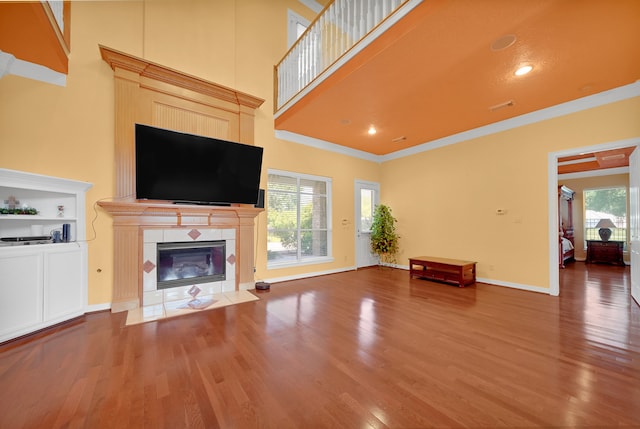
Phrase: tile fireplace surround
pixel 139 225
pixel 152 237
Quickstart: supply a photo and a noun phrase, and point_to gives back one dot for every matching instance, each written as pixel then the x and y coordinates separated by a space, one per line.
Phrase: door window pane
pixel 366 209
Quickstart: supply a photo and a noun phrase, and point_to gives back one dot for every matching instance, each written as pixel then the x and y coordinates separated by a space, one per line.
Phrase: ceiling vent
pixel 509 103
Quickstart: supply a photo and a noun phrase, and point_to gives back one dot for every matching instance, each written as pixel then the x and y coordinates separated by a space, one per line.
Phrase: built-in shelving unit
pixel 41 283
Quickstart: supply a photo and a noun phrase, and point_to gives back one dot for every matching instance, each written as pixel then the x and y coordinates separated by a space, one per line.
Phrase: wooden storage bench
pixel 461 273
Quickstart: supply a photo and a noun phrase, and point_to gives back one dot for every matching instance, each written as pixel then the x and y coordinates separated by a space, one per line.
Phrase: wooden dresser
pixel 605 251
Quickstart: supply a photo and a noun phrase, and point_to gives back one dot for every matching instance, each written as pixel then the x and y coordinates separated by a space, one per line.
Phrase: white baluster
pixel 343 39
pixel 343 24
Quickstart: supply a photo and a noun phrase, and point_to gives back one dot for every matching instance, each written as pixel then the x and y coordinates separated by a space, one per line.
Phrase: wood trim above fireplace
pixel 152 94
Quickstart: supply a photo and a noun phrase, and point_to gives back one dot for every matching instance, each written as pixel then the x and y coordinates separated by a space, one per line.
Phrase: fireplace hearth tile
pixel 240 296
pixel 145 314
pixel 229 285
pixel 170 309
pixel 154 297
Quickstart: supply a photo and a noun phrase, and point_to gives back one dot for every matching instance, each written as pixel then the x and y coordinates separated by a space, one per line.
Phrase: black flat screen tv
pixel 187 168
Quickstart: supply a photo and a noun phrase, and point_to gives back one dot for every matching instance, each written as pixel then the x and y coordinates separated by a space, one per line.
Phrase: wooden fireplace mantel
pixel 152 94
pixel 154 213
pixel 132 217
pixel 159 73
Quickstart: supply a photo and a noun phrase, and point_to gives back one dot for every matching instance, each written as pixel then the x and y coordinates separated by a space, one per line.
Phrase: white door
pixel 367 196
pixel 634 222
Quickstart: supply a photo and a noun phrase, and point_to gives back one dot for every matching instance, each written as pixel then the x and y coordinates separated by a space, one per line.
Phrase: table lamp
pixel 605 231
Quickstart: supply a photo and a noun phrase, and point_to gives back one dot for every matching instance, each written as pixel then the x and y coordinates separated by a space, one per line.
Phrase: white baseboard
pixel 97 307
pixel 514 285
pixel 307 275
pixel 497 282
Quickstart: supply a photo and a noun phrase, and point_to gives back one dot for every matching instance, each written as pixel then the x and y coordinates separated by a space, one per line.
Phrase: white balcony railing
pixel 341 26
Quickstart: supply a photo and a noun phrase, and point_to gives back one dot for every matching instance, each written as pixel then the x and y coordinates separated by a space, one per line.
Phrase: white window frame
pixel 293 19
pixel 308 260
pixel 584 214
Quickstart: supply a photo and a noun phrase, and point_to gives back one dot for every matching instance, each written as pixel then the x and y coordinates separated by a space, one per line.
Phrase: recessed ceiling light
pixel 523 70
pixel 372 130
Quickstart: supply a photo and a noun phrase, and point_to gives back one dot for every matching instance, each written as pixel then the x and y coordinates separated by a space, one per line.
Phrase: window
pixel 367 207
pixel 610 203
pixel 297 26
pixel 298 219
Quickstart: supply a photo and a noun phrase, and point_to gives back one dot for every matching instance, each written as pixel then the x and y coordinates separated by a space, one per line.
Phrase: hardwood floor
pixel 369 348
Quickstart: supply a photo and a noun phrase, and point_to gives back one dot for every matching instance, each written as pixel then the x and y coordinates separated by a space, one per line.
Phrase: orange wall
pixel 444 199
pixel 69 131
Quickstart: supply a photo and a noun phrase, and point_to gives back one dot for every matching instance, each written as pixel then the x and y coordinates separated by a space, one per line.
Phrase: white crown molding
pixel 9 64
pixel 611 96
pixel 6 61
pixel 589 102
pixel 325 145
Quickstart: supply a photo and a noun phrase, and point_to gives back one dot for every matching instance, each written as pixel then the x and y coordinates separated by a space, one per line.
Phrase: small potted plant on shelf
pixel 384 238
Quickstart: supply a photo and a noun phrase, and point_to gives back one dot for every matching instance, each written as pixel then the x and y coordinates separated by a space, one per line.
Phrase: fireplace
pixel 152 94
pixel 181 264
pixel 176 259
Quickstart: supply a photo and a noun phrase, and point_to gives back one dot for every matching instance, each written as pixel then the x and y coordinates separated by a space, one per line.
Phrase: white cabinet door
pixel 20 292
pixel 63 293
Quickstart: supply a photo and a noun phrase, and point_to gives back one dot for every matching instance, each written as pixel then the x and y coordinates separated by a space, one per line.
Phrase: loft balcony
pixel 340 31
pixel 423 71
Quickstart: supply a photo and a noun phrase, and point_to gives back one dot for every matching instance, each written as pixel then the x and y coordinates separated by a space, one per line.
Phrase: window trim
pixel 310 260
pixel 292 20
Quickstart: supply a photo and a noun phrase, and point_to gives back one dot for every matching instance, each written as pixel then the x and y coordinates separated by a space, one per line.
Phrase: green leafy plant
pixel 384 238
pixel 19 211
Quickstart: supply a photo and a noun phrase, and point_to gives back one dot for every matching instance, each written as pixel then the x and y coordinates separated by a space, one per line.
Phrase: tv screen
pixel 188 168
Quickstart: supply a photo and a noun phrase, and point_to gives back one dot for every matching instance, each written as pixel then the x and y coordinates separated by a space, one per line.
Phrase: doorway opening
pixel 553 182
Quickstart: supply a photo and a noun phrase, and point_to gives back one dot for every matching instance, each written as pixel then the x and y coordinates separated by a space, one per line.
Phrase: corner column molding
pixel 152 94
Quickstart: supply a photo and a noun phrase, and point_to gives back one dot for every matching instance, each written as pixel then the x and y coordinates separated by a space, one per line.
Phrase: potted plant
pixel 384 239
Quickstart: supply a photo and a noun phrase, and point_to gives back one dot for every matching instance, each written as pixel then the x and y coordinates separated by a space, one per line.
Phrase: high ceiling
pixel 448 67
